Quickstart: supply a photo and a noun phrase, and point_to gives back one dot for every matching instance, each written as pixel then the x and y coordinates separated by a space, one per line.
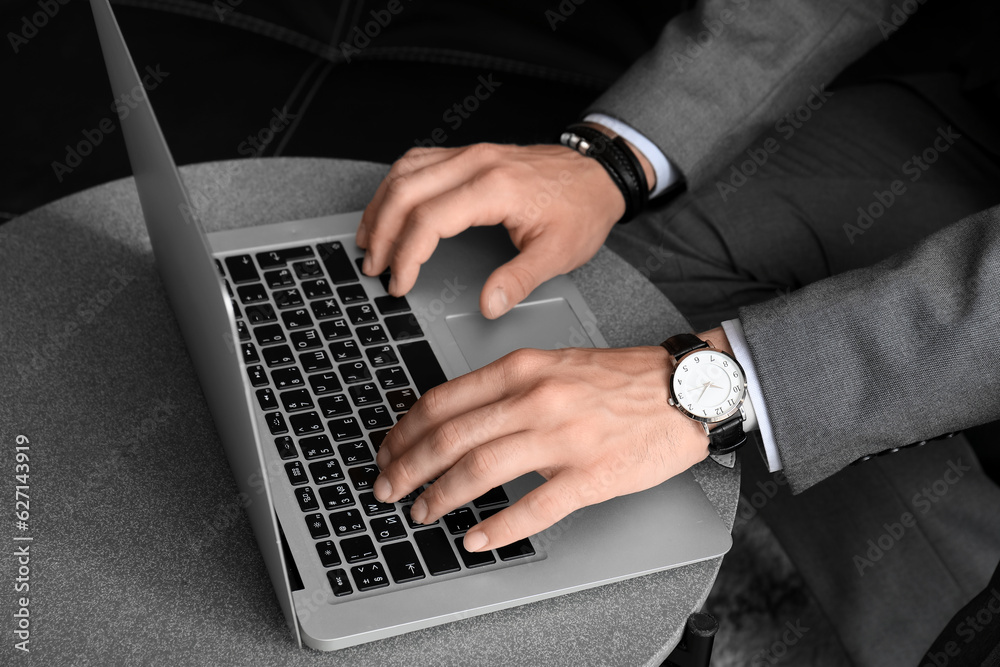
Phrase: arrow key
pixel 403 562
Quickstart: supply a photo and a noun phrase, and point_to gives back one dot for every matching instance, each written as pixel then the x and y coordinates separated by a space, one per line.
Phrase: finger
pixel 413 159
pixel 405 192
pixel 536 511
pixel 512 282
pixel 441 448
pixel 474 203
pixel 480 470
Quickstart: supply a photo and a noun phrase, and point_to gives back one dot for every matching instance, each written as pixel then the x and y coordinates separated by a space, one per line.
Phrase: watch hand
pixel 703 390
pixel 714 385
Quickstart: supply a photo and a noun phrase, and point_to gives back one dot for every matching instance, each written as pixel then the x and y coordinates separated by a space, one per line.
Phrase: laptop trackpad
pixel 545 325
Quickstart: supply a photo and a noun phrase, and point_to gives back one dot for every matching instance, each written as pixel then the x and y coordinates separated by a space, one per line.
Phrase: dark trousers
pixel 871 171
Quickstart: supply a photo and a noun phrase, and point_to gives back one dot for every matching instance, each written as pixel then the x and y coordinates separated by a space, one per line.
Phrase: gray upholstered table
pixel 140 553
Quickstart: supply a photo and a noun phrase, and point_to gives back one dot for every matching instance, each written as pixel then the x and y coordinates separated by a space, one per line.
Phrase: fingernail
pixel 419 510
pixel 366 266
pixel 382 458
pixel 382 488
pixel 498 302
pixel 475 541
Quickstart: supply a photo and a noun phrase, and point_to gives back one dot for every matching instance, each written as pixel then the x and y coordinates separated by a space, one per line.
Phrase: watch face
pixel 708 385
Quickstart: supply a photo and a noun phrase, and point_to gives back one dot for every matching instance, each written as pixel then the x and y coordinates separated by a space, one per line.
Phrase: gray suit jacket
pixel 863 361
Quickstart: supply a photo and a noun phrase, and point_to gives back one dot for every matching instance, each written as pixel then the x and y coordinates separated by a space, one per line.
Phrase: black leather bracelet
pixel 617 159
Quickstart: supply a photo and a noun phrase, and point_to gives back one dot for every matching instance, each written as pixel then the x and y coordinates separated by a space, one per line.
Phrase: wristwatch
pixel 709 387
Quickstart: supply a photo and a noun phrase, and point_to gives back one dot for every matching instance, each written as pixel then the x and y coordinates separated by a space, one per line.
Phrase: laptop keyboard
pixel 332 370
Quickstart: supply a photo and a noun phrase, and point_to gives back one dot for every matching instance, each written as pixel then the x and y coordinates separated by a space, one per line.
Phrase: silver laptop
pixel 306 363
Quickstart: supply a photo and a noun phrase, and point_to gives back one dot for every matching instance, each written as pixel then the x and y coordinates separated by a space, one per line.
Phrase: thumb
pixel 512 282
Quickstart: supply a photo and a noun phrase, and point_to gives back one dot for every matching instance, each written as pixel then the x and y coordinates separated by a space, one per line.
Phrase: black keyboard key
pixel 273 258
pixel 362 314
pixel 519 549
pixel 373 507
pixel 324 383
pixel 278 355
pixel 365 394
pixel 242 331
pixel 338 266
pixel 419 360
pixel 307 423
pixel 383 277
pixel 401 400
pixel 325 309
pixel 286 447
pixel 473 558
pixel 317 360
pixel 266 399
pixel 352 294
pixel 346 428
pixel 236 309
pixel 254 293
pixel 334 406
pixel 492 498
pixel 345 350
pixel 336 496
pixel 279 278
pixel 335 330
pixel 353 453
pixel 409 520
pixel 317 526
pixel 260 313
pixel 403 327
pixel 371 334
pixel 241 269
pixel 269 334
pixel 288 298
pixel 276 423
pixel 369 576
pixel 358 548
pixel 307 269
pixel 347 522
pixel 391 378
pixel 287 378
pixel 387 305
pixel 339 583
pixel 316 447
pixel 375 417
pixel 436 550
pixel 460 520
pixel 218 266
pixel 326 472
pixel 381 356
pixel 377 437
pixel 355 372
pixel 327 552
pixel 388 528
pixel 307 499
pixel 316 289
pixel 296 319
pixel 258 378
pixel 403 563
pixel 306 340
pixel 250 355
pixel 296 473
pixel 362 477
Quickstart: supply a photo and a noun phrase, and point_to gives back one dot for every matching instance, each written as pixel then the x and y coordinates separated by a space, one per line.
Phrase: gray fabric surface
pixel 141 554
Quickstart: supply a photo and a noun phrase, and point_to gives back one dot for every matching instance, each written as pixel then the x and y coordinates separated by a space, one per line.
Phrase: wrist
pixel 717 337
pixel 647 166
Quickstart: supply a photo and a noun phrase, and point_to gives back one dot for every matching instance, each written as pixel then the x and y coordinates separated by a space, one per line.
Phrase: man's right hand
pixel 557 205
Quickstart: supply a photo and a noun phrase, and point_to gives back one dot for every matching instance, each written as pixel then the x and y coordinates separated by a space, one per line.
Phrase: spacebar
pixel 423 367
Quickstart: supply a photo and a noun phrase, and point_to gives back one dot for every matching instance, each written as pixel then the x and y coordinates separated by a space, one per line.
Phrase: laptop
pixel 306 364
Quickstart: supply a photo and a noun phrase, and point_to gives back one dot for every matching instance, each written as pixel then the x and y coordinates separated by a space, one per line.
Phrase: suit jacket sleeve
pixel 725 71
pixel 884 356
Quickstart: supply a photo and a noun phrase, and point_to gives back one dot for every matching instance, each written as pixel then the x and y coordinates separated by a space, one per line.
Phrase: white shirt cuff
pixel 755 398
pixel 666 173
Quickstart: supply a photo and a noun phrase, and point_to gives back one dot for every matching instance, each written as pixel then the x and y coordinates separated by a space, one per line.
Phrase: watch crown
pixel 670 401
